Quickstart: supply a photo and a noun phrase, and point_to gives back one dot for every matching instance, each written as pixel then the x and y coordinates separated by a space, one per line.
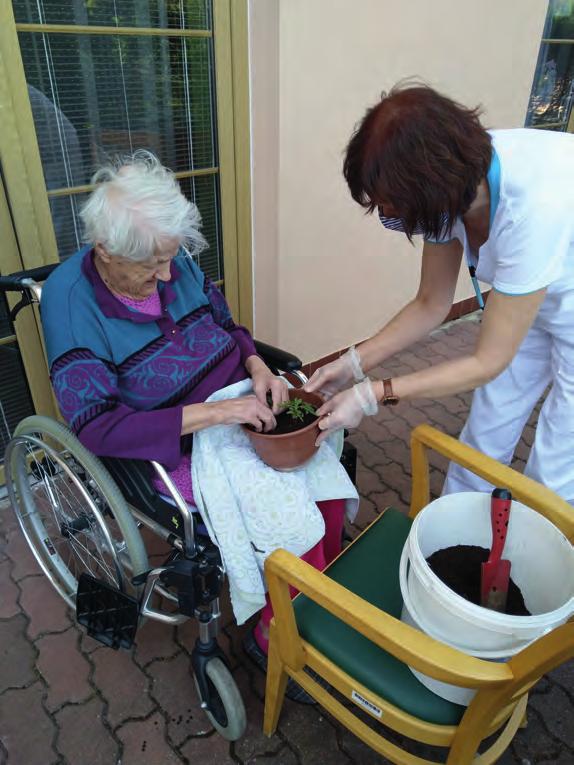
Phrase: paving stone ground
pixel 66 700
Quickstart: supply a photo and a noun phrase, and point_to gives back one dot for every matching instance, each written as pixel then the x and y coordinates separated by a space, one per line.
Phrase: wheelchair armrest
pixel 135 481
pixel 278 359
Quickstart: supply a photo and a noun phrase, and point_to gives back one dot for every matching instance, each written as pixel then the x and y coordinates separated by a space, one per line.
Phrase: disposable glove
pixel 347 409
pixel 336 375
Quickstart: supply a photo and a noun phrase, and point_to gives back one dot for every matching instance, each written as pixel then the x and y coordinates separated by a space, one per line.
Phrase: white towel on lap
pixel 251 509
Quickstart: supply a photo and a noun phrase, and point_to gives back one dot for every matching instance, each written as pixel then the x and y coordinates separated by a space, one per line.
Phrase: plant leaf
pixel 297 408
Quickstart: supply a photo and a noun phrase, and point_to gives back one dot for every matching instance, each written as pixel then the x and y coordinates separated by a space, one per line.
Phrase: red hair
pixel 421 152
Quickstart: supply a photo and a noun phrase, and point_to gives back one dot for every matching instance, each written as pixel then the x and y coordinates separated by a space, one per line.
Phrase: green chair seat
pixel 370 569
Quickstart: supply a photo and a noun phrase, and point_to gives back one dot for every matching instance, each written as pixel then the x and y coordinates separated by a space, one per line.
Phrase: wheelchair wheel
pixel 228 716
pixel 71 512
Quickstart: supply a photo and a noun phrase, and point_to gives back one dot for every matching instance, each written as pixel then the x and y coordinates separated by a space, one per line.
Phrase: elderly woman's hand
pixel 264 382
pixel 246 410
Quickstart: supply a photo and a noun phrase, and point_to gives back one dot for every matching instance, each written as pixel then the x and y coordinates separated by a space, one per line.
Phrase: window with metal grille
pixel 106 77
pixel 15 399
pixel 552 98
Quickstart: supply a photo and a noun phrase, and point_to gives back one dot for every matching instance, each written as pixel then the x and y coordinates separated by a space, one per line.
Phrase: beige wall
pixel 264 93
pixel 325 275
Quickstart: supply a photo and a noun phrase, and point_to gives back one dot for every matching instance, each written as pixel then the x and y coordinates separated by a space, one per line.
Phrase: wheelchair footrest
pixel 108 615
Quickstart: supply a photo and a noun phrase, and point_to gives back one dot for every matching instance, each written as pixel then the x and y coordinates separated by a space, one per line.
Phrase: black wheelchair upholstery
pixel 135 481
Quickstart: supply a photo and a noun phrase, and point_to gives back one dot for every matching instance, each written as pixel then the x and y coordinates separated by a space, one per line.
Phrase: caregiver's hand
pixel 264 382
pixel 246 410
pixel 336 375
pixel 346 409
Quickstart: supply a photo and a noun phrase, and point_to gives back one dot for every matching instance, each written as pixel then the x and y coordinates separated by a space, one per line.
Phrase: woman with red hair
pixel 503 200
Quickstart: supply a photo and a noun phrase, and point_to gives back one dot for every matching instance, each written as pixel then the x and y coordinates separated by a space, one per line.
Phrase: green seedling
pixel 297 408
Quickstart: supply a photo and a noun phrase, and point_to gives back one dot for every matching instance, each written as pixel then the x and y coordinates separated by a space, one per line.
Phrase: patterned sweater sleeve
pixel 222 315
pixel 88 397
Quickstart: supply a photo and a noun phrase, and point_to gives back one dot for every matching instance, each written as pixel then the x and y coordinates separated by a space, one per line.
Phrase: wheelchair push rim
pixel 71 512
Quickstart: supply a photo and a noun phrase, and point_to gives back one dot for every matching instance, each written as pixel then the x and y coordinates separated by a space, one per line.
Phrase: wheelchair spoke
pixel 69 510
pixel 49 486
pixel 64 505
pixel 99 562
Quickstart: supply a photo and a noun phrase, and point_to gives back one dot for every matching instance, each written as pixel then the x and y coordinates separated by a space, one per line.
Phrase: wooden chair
pixel 345 625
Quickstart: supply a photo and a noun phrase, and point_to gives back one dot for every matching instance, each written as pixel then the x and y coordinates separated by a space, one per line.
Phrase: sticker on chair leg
pixel 366 704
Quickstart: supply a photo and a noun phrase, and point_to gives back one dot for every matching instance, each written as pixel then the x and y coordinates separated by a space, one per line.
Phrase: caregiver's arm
pixel 506 320
pixel 439 273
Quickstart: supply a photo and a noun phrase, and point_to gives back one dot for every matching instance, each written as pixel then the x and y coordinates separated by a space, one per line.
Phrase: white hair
pixel 136 206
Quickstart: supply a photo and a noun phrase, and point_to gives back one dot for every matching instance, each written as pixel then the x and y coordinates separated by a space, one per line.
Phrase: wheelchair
pixel 81 516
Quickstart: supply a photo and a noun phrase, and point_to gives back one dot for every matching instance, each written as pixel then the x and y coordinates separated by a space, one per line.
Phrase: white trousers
pixel 501 408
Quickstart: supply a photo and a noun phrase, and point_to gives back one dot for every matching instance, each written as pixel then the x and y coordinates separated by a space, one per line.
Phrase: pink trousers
pixel 326 550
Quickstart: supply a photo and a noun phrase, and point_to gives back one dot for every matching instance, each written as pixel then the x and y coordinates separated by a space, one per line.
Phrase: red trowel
pixel 495 573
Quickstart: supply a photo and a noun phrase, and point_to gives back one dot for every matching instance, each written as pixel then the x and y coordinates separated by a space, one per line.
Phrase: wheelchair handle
pixel 21 280
pixel 27 283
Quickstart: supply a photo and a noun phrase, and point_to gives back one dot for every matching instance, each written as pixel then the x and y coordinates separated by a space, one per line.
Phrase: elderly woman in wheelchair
pixel 145 360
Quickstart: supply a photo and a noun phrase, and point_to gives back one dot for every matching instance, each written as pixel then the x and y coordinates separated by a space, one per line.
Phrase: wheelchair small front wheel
pixel 71 512
pixel 227 713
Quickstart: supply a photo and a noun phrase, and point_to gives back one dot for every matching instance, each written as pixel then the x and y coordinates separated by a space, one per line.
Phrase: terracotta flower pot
pixel 286 451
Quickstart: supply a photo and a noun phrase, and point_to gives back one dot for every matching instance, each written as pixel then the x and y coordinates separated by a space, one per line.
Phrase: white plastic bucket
pixel 542 566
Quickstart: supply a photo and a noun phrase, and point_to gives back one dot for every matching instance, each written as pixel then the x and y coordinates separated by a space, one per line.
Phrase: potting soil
pixel 459 567
pixel 286 423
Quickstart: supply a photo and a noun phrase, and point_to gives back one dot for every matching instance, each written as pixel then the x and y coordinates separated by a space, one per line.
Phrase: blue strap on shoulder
pixel 475 284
